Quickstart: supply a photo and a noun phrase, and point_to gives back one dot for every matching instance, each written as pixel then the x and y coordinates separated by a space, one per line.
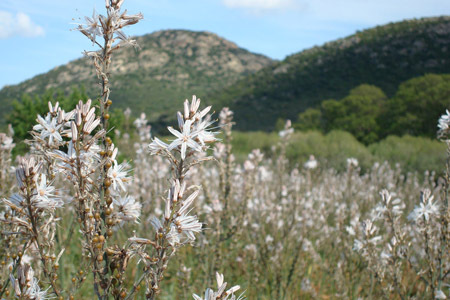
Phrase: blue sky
pixel 35 35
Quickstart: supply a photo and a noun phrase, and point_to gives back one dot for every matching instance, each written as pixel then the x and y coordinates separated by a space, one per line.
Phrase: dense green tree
pixel 308 120
pixel 331 110
pixel 417 106
pixel 357 113
pixel 360 112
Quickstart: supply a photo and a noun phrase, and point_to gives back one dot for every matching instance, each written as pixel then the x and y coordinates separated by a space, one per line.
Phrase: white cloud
pixel 18 25
pixel 258 4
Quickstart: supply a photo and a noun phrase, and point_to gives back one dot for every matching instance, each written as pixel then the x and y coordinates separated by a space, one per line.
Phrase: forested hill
pixel 168 67
pixel 172 65
pixel 383 56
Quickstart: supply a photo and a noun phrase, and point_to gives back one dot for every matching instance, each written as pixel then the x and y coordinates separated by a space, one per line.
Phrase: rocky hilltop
pixel 168 67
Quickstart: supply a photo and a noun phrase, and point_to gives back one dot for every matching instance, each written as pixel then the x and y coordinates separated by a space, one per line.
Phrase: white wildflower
pixel 203 135
pixel 45 197
pixel 358 245
pixel 444 124
pixel 141 121
pixel 173 236
pixel 92 28
pixel 426 208
pixel 188 225
pixel 287 131
pixel 156 223
pixel 127 207
pixel 118 176
pixel 184 139
pixel 352 162
pixel 440 294
pixel 157 146
pixel 311 163
pixel 221 293
pixel 48 128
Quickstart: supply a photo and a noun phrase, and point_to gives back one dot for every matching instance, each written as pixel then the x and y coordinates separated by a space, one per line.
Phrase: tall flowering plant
pixel 74 147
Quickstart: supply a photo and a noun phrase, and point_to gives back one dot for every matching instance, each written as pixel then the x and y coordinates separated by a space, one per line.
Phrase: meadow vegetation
pixel 100 208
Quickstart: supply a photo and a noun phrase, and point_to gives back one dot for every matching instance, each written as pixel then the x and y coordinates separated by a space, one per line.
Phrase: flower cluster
pixel 221 293
pixel 444 126
pixel 26 286
pixel 111 24
pixel 193 135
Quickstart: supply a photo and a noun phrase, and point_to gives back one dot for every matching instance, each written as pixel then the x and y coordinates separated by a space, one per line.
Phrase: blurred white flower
pixel 44 197
pixel 203 135
pixel 188 225
pixel 287 131
pixel 127 207
pixel 444 125
pixel 118 176
pixel 352 162
pixel 92 27
pixel 426 207
pixel 269 239
pixel 311 163
pixel 141 121
pixel 6 142
pixel 156 146
pixel 440 295
pixel 221 293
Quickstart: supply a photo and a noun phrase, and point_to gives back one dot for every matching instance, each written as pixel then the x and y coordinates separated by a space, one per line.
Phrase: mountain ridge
pixel 170 64
pixel 384 56
pixel 173 64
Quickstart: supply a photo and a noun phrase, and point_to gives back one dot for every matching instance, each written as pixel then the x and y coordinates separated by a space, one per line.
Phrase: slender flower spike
pixel 184 139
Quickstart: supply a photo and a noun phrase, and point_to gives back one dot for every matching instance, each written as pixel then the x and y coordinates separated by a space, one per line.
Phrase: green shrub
pixel 331 150
pixel 413 153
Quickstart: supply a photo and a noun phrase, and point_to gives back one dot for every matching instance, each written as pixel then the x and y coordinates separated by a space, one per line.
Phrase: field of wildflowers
pixel 182 215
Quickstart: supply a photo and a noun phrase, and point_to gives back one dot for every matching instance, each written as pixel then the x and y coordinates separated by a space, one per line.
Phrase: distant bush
pixel 245 142
pixel 331 150
pixel 413 153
